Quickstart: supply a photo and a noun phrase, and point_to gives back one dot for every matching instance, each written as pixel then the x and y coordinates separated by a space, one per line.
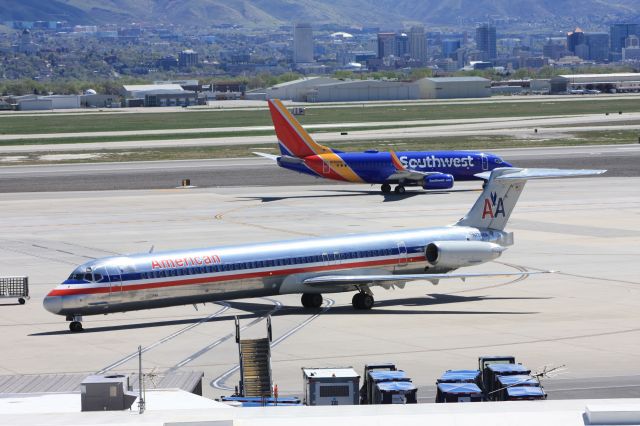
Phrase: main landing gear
pixel 386 188
pixel 362 301
pixel 76 323
pixel 399 189
pixel 311 300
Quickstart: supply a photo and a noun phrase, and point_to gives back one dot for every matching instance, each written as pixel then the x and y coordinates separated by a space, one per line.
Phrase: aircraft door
pixel 485 162
pixel 115 279
pixel 402 250
pixel 326 169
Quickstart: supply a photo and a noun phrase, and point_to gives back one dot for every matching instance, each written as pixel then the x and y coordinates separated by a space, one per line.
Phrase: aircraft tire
pixel 362 301
pixel 22 301
pixel 311 300
pixel 400 189
pixel 75 326
pixel 386 188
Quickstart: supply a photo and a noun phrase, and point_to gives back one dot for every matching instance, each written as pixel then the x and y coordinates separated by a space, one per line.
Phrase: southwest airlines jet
pixel 344 263
pixel 428 169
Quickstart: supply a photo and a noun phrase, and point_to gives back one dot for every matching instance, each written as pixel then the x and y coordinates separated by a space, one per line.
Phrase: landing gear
pixel 76 323
pixel 311 300
pixel 385 188
pixel 484 184
pixel 400 189
pixel 362 301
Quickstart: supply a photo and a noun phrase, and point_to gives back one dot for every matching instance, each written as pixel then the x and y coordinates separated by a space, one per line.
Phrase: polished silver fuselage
pixel 154 280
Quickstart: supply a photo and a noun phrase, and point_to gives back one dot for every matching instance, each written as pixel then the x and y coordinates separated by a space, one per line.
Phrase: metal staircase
pixel 255 364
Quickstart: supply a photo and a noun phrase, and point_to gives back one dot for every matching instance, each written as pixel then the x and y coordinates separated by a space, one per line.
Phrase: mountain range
pixel 347 12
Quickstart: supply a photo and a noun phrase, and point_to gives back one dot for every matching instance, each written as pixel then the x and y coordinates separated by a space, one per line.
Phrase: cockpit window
pixel 76 276
pixel 498 160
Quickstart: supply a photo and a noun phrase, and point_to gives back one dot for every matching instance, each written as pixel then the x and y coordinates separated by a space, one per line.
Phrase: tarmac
pixel 584 317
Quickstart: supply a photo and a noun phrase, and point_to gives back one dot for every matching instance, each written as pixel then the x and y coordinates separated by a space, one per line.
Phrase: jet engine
pixel 437 181
pixel 456 254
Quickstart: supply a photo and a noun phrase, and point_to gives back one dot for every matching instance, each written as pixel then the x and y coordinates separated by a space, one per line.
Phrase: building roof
pixel 19 412
pixel 306 80
pixel 37 383
pixel 150 87
pixel 455 79
pixel 612 75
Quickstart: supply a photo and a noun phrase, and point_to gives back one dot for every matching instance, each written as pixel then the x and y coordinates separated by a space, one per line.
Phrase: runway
pixel 585 316
pixel 619 160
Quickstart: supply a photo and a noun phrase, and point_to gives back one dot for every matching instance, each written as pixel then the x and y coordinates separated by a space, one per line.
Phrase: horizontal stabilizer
pixel 281 158
pixel 541 173
pixel 356 280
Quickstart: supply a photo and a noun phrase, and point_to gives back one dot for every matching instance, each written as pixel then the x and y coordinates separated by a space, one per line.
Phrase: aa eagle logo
pixel 493 206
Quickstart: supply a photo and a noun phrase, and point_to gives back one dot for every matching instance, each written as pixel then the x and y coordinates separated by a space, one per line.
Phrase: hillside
pixel 272 12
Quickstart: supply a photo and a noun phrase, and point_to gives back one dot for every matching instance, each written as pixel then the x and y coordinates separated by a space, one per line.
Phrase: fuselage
pixel 380 167
pixel 154 280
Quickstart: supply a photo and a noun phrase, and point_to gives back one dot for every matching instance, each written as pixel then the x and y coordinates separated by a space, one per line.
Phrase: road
pixel 619 160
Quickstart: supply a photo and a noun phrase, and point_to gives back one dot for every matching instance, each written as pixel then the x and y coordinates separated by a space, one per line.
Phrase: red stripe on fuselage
pixel 204 280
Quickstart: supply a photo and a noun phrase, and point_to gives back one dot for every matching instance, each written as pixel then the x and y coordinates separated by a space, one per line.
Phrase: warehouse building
pixel 609 83
pixel 324 89
pixel 363 90
pixel 296 90
pixel 454 87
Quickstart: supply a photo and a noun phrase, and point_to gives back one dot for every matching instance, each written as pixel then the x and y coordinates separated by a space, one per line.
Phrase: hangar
pixel 454 87
pixel 610 83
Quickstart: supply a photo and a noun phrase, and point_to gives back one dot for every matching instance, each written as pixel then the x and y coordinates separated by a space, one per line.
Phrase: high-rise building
pixel 187 59
pixel 402 45
pixel 302 43
pixel 486 41
pixel 598 46
pixel 386 44
pixel 449 48
pixel 417 43
pixel 618 34
pixel 575 38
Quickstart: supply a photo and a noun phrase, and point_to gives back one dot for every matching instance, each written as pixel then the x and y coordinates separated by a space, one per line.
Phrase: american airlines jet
pixel 427 169
pixel 310 267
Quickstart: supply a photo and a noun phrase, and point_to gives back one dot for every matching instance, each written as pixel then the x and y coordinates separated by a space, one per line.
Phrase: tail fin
pixel 292 138
pixel 502 190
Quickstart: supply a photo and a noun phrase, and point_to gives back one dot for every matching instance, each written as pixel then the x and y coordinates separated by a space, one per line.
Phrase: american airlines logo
pixel 493 206
pixel 433 161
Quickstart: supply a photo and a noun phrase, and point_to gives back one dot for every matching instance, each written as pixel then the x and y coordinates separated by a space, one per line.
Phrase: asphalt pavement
pixel 619 160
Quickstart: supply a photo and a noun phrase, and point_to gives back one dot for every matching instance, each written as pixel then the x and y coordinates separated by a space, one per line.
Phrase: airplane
pixel 345 263
pixel 432 170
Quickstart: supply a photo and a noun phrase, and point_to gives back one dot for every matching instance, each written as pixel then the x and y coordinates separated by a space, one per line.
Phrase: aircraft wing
pixel 281 158
pixel 358 280
pixel 408 174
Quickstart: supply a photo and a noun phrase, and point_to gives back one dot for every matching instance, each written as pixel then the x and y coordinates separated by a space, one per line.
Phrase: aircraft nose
pixel 52 304
pixel 506 164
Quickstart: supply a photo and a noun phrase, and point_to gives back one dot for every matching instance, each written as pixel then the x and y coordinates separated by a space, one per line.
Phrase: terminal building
pixel 609 83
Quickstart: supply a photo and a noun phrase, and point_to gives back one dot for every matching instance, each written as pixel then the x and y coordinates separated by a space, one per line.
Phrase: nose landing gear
pixel 76 323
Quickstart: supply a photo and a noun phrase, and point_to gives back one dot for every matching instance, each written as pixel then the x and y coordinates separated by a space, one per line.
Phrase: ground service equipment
pixel 330 386
pixel 15 287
